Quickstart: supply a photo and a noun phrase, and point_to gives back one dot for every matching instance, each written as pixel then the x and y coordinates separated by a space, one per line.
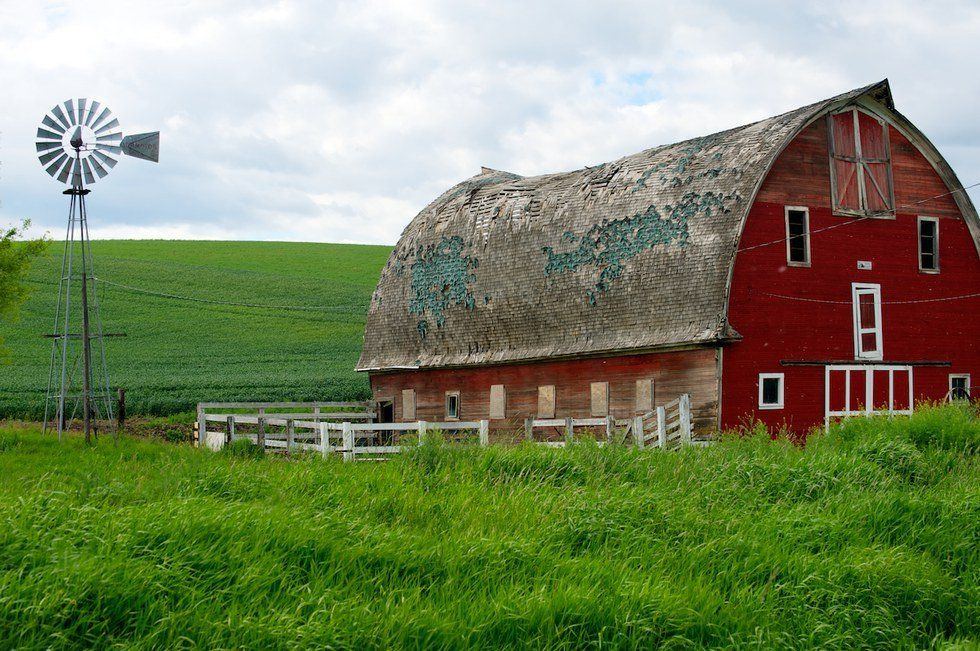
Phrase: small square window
pixel 452 405
pixel 959 387
pixel 770 390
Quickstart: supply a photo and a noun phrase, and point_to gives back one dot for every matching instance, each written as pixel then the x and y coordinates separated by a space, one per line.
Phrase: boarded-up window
pixel 861 175
pixel 408 404
pixel 600 398
pixel 498 401
pixel 644 395
pixel 546 401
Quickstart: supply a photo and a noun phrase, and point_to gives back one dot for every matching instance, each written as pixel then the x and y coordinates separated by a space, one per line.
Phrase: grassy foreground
pixel 869 537
pixel 179 352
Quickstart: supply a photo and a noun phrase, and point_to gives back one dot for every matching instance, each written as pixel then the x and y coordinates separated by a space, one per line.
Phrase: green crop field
pixel 867 538
pixel 179 352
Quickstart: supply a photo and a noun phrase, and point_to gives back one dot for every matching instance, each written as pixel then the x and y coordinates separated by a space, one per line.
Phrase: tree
pixel 16 255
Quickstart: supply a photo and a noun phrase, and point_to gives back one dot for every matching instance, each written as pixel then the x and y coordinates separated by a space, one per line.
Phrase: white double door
pixel 855 389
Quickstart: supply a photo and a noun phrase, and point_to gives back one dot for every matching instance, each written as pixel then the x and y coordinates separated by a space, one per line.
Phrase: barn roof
pixel 630 255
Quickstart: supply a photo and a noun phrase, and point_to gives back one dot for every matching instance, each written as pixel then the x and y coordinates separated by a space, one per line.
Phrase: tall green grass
pixel 867 537
pixel 177 353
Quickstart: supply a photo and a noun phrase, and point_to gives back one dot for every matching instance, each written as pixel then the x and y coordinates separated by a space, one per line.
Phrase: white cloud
pixel 339 121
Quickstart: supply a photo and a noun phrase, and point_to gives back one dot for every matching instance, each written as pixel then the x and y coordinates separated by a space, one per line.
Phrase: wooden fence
pixel 667 427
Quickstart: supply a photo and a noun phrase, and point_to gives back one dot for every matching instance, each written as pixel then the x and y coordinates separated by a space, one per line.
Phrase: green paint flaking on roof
pixel 441 275
pixel 610 245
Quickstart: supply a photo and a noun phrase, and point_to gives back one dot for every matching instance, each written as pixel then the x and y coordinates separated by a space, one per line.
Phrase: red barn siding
pixel 776 329
pixel 689 371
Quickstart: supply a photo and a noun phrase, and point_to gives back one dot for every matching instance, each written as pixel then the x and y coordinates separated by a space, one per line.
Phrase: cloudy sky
pixel 326 121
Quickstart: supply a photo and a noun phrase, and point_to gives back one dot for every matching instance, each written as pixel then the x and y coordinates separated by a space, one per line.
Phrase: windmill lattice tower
pixel 76 143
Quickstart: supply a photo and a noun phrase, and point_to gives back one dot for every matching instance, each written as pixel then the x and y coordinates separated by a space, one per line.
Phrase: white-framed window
pixel 771 390
pixel 452 405
pixel 860 164
pixel 797 236
pixel 867 321
pixel 928 244
pixel 959 386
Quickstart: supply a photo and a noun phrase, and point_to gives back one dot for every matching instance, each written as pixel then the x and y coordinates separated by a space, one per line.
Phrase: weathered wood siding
pixel 776 329
pixel 673 373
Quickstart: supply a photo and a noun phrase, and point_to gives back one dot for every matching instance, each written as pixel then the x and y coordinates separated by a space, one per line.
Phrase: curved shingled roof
pixel 630 255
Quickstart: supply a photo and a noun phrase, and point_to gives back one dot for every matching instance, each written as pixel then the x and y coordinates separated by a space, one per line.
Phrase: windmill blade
pixel 47 158
pixel 87 169
pixel 66 170
pixel 51 135
pixel 105 159
pixel 76 174
pixel 110 136
pixel 70 106
pixel 58 113
pixel 102 116
pixel 81 110
pixel 109 125
pixel 93 108
pixel 51 124
pixel 145 146
pixel 99 170
pixel 109 148
pixel 44 146
pixel 55 166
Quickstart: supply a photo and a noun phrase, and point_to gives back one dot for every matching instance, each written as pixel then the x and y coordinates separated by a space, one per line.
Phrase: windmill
pixel 77 143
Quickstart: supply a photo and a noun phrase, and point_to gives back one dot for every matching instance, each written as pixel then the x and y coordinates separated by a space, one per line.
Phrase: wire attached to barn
pixel 855 221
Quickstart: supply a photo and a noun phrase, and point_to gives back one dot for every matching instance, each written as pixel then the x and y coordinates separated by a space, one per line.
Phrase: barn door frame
pixel 868 407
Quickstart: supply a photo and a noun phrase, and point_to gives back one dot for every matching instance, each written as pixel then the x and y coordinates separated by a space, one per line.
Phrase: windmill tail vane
pixel 78 143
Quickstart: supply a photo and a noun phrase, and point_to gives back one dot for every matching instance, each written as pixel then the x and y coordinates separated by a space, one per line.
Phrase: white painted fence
pixel 668 427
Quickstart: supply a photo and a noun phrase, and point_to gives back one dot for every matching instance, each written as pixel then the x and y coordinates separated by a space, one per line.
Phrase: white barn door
pixel 853 390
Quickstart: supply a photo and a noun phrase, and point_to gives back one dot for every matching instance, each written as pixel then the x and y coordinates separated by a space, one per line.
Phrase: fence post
pixel 529 429
pixel 569 430
pixel 484 433
pixel 290 435
pixel 348 442
pixel 202 426
pixel 230 435
pixel 316 415
pixel 260 437
pixel 685 415
pixel 422 430
pixel 638 431
pixel 324 440
pixel 610 427
pixel 662 428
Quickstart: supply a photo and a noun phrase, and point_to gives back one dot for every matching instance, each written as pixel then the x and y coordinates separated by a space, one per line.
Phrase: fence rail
pixel 667 427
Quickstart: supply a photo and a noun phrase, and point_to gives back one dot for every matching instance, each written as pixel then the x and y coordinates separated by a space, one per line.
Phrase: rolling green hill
pixel 178 352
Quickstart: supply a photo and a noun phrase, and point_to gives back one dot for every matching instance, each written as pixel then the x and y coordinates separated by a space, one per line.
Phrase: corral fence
pixel 348 428
pixel 667 427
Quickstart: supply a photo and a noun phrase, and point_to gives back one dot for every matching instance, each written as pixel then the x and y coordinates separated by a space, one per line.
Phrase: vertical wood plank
pixel 290 435
pixel 423 427
pixel 638 431
pixel 610 429
pixel 662 428
pixel 684 407
pixel 230 434
pixel 202 427
pixel 484 433
pixel 528 429
pixel 348 435
pixel 324 440
pixel 569 430
pixel 260 437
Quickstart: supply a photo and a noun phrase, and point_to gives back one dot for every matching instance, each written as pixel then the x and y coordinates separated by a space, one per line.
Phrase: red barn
pixel 817 263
